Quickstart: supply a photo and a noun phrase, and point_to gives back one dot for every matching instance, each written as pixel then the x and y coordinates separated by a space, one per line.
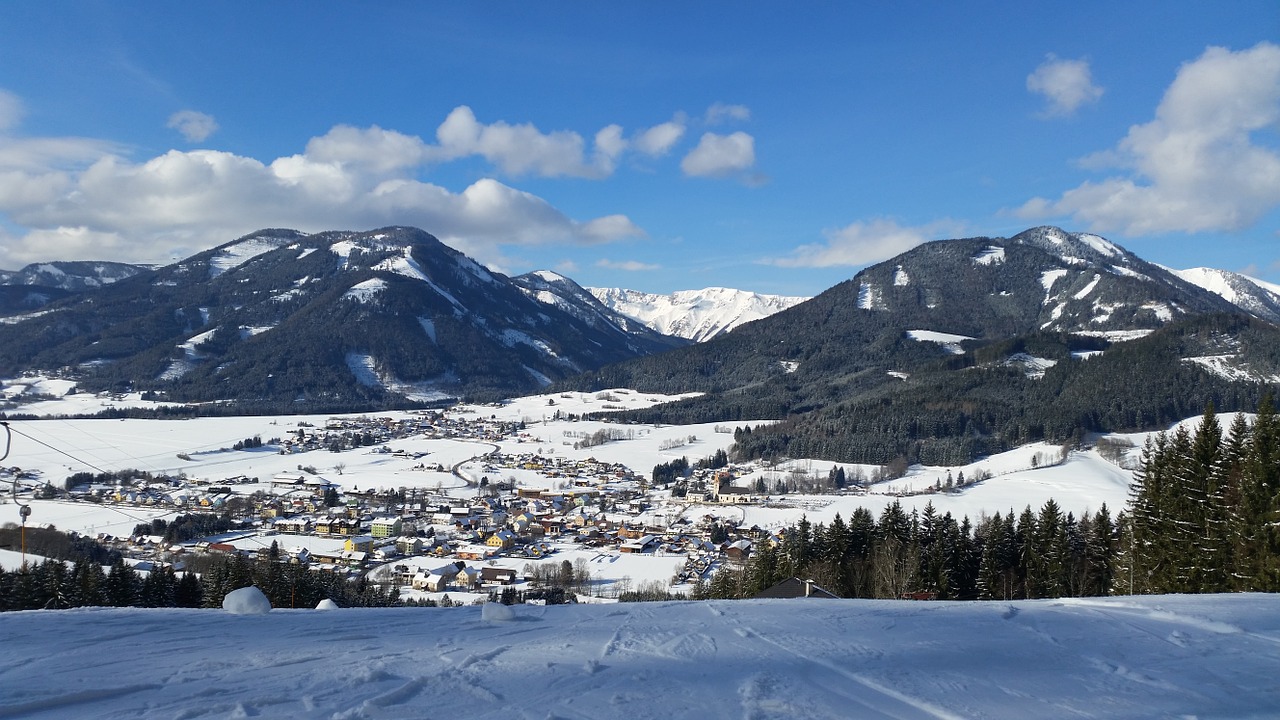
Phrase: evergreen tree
pixel 123 585
pixel 187 593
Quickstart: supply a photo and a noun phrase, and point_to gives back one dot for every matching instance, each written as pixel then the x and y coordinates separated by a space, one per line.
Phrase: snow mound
pixel 327 604
pixel 496 612
pixel 246 601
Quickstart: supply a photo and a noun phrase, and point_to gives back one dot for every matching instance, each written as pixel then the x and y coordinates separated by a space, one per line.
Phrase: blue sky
pixel 653 146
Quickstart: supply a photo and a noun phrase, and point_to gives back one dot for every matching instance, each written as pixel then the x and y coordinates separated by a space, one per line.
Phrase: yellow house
pixel 502 539
pixel 359 543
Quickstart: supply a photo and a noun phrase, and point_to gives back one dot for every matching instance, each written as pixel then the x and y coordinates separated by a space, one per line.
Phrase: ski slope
pixel 1145 657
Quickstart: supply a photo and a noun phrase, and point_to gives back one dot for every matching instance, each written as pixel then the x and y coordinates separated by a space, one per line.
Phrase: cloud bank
pixel 80 198
pixel 1196 166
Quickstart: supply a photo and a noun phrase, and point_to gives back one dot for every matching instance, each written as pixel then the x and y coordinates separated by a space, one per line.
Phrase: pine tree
pixel 187 592
pixel 1100 552
pixel 1208 520
pixel 1260 499
pixel 123 585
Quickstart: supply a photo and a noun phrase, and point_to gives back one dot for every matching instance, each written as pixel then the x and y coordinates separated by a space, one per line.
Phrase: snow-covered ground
pixel 1141 657
pixel 201 449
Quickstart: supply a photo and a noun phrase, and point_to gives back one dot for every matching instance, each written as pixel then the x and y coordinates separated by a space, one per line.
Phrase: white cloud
pixel 11 110
pixel 369 149
pixel 659 139
pixel 721 112
pixel 720 155
pixel 863 243
pixel 194 126
pixel 74 199
pixel 523 149
pixel 627 265
pixel 1065 84
pixel 1196 166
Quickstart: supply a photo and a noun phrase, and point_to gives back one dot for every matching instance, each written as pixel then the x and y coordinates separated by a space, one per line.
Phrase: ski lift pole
pixel 25 512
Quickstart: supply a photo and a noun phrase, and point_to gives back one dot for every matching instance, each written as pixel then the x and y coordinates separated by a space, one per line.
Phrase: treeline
pixel 1206 508
pixel 187 527
pixel 57 545
pixel 1041 554
pixel 841 404
pixel 54 584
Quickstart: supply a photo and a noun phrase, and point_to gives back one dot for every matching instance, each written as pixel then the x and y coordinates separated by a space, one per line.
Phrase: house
pixel 502 540
pixel 295 526
pixel 359 543
pixel 409 545
pixel 796 588
pixel 476 552
pixel 639 545
pixel 501 576
pixel 386 527
pixel 437 580
pixel 287 481
pixel 468 578
pixel 738 550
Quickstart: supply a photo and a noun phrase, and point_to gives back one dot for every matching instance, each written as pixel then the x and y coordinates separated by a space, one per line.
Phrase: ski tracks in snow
pixel 844 692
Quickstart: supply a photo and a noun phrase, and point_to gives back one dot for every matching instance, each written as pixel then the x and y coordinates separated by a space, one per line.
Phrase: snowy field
pixel 1145 657
pixel 201 449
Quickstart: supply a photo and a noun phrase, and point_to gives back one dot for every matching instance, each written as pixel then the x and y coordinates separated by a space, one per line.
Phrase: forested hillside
pixel 961 348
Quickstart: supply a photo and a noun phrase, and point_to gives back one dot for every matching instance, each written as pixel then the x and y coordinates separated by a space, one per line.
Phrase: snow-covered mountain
pixel 698 315
pixel 1256 297
pixel 958 348
pixel 559 291
pixel 336 318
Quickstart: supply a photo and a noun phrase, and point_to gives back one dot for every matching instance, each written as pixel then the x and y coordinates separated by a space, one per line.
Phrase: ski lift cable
pixel 76 427
pixel 9 429
pixel 8 437
pixel 38 441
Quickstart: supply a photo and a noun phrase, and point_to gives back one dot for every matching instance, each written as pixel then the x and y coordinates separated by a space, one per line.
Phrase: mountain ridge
pixel 328 319
pixel 967 346
pixel 697 315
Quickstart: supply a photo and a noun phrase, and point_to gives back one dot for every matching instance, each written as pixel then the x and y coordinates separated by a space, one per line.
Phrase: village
pixel 484 505
pixel 478 499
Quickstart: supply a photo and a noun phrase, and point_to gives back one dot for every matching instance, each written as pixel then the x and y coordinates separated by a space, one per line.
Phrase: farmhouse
pixel 639 545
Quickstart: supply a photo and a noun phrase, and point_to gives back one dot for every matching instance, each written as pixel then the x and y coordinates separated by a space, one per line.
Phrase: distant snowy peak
pixel 73 276
pixel 1258 298
pixel 697 315
pixel 560 292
